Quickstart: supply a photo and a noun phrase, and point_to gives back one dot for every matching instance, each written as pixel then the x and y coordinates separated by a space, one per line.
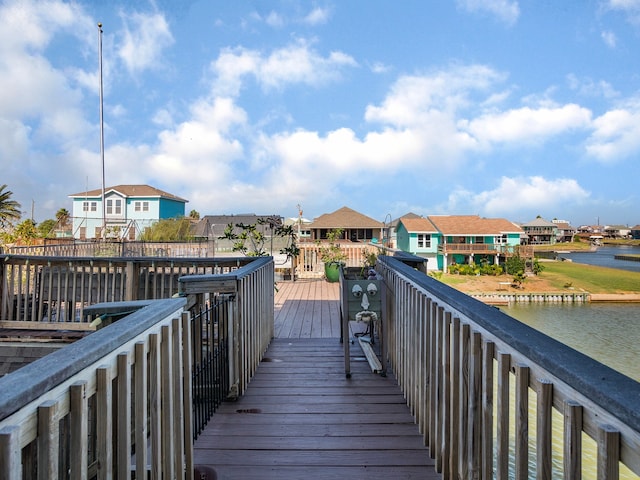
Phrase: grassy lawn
pixel 590 278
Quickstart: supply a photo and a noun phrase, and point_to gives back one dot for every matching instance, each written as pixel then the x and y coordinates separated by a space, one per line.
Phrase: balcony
pixel 280 405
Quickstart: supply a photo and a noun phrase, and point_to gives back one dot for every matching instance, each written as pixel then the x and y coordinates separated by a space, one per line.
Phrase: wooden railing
pixel 485 248
pixel 80 412
pixel 57 289
pixel 309 264
pixel 122 398
pixel 75 248
pixel 251 322
pixel 464 365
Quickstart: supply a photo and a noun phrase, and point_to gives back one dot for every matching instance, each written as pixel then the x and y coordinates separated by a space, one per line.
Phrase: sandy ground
pixel 500 284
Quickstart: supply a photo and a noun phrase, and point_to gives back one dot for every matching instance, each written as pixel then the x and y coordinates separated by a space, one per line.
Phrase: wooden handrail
pixel 139 366
pixel 445 348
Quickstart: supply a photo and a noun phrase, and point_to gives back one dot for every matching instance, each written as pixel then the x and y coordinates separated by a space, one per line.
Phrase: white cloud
pixel 274 19
pixel 145 37
pixel 616 134
pixel 414 99
pixel 630 8
pixel 520 194
pixel 505 10
pixel 527 124
pixel 609 38
pixel 591 88
pixel 294 64
pixel 317 16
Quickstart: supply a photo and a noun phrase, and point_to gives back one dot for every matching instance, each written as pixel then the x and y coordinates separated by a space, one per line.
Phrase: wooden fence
pixel 464 365
pixel 120 399
pixel 57 289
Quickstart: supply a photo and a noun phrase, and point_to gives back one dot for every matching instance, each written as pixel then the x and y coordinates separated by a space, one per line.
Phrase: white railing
pixel 477 380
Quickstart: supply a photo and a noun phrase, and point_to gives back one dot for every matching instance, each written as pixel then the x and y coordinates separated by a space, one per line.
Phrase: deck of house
pixel 302 418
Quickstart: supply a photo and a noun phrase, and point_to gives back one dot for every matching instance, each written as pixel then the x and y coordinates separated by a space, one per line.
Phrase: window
pixel 89 206
pixel 141 206
pixel 424 240
pixel 501 240
pixel 114 206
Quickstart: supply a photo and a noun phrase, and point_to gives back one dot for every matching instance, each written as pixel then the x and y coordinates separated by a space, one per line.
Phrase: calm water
pixel 607 332
pixel 604 257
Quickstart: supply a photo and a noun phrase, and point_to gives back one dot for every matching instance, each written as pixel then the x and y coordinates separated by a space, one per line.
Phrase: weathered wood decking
pixel 301 418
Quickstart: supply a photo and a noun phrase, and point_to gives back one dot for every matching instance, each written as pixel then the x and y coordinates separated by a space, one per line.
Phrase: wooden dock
pixel 301 418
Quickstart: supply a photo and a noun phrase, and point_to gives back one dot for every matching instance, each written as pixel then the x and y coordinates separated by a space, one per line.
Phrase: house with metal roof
pixel 126 211
pixel 355 226
pixel 447 239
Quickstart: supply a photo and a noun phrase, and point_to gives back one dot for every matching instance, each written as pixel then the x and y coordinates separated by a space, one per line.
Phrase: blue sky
pixel 500 108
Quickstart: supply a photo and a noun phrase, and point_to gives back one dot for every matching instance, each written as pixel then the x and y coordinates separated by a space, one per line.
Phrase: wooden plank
pixel 29 325
pixel 309 421
pixel 572 459
pixel 79 414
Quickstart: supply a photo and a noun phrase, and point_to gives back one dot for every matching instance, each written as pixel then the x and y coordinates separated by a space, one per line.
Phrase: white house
pixel 129 209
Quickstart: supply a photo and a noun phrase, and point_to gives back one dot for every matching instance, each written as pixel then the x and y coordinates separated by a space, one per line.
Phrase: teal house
pixel 128 210
pixel 445 240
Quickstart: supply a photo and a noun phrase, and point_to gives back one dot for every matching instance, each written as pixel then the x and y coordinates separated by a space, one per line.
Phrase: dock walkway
pixel 301 418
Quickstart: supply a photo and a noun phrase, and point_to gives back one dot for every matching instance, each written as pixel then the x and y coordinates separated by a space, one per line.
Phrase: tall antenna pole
pixel 104 208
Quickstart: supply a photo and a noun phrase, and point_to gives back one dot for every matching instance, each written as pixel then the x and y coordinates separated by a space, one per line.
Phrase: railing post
pixel 11 466
pixel 132 275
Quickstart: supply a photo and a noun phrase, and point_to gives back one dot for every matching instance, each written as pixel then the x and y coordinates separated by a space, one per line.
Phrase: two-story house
pixel 448 239
pixel 128 210
pixel 540 232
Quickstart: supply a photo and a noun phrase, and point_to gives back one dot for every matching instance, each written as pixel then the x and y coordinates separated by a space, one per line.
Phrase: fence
pixel 468 372
pixel 57 289
pixel 120 399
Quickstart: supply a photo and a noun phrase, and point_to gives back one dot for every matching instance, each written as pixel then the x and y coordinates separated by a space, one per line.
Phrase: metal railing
pixel 464 366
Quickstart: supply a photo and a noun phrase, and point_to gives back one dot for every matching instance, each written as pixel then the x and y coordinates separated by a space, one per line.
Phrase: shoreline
pixel 500 298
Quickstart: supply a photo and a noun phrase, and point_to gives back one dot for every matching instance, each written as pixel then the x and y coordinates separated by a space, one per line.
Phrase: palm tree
pixel 9 209
pixel 62 216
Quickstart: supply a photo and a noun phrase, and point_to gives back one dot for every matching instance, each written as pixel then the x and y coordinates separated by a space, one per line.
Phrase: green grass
pixel 590 278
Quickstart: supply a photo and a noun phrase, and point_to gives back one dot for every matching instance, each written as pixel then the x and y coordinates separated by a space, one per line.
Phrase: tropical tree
pixel 62 216
pixel 46 228
pixel 194 215
pixel 168 230
pixel 26 231
pixel 9 209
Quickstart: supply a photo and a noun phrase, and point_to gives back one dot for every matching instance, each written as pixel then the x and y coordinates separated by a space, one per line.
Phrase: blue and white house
pixel 129 209
pixel 447 239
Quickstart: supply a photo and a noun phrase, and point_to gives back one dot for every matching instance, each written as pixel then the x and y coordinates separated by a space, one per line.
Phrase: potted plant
pixel 332 255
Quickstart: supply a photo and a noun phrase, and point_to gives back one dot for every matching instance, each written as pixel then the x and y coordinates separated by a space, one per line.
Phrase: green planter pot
pixel 332 271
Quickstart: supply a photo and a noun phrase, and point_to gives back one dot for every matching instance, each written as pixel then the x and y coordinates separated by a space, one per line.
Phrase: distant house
pixel 213 226
pixel 540 232
pixel 356 226
pixel 448 239
pixel 635 232
pixel 128 210
pixel 565 232
pixel 390 238
pixel 617 231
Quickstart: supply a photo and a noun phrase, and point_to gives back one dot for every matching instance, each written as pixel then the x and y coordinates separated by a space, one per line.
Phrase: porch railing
pixel 81 411
pixel 57 289
pixel 464 365
pixel 135 394
pixel 310 265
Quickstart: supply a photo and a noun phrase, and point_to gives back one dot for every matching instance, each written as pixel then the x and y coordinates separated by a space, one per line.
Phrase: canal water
pixel 607 332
